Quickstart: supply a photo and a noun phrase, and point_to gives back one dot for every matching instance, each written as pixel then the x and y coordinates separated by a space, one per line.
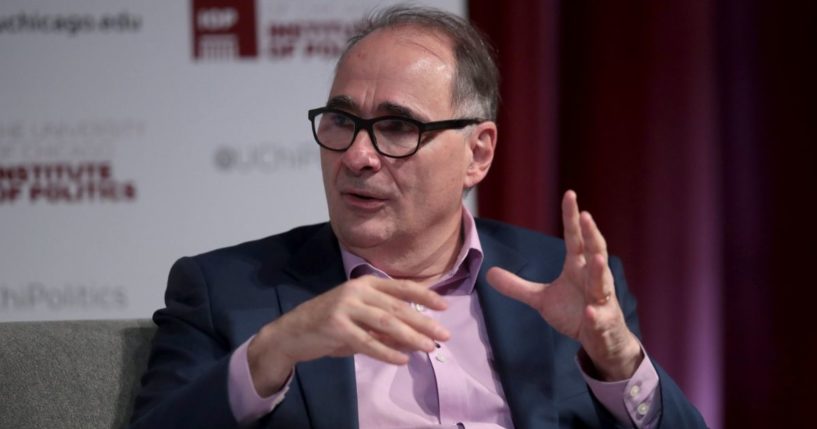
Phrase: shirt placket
pixel 449 377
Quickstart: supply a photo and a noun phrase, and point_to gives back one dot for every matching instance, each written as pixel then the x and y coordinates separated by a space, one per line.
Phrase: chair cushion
pixel 71 373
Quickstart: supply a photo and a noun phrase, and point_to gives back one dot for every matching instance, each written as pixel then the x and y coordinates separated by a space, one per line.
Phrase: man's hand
pixel 581 303
pixel 366 315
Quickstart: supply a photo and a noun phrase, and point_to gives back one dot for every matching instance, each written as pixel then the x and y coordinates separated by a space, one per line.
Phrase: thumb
pixel 514 286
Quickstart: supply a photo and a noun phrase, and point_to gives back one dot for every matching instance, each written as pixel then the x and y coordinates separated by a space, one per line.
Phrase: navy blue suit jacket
pixel 217 300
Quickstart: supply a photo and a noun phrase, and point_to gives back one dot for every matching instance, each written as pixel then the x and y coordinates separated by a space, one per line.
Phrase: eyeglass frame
pixel 368 125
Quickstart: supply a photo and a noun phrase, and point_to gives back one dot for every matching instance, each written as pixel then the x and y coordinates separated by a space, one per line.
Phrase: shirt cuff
pixel 635 402
pixel 247 406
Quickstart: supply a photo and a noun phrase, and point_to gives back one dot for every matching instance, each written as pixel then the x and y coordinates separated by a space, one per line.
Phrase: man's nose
pixel 362 155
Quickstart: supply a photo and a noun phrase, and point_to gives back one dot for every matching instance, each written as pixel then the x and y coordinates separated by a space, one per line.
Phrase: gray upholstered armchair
pixel 71 374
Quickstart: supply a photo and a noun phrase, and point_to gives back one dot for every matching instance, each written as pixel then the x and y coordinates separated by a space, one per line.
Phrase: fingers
pixel 586 252
pixel 591 236
pixel 385 325
pixel 361 341
pixel 582 235
pixel 409 292
pixel 570 220
pixel 396 330
pixel 514 286
pixel 599 279
pixel 385 307
pixel 599 290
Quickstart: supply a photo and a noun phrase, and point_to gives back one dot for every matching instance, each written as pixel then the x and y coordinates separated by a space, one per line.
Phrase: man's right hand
pixel 366 315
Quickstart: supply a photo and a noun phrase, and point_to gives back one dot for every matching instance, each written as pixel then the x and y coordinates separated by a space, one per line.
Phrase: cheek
pixel 439 184
pixel 328 173
pixel 328 166
pixel 449 168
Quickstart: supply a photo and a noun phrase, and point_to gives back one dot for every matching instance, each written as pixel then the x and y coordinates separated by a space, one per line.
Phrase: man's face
pixel 375 200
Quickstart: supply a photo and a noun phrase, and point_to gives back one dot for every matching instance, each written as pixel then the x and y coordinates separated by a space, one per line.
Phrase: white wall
pixel 120 151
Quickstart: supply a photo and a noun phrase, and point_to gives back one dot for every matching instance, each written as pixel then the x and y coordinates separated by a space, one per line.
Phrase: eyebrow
pixel 398 110
pixel 344 102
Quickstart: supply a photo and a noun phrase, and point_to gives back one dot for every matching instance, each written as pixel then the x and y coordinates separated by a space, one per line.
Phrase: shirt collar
pixel 466 266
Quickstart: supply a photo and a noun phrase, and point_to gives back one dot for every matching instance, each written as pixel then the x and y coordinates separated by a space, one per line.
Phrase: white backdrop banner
pixel 136 132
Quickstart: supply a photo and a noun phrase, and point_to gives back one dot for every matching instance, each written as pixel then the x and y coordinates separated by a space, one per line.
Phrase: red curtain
pixel 525 169
pixel 688 130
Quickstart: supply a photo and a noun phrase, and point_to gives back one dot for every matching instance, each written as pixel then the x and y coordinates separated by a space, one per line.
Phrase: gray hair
pixel 476 79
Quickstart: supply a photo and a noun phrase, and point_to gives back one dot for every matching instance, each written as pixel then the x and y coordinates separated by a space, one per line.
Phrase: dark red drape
pixel 688 130
pixel 527 113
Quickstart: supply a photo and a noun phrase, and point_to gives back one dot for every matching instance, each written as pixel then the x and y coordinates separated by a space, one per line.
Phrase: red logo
pixel 224 29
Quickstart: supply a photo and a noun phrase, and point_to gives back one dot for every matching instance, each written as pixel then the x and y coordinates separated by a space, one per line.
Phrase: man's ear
pixel 481 142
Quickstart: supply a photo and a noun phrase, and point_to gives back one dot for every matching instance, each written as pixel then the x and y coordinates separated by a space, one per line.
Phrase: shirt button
pixel 635 390
pixel 440 358
pixel 643 409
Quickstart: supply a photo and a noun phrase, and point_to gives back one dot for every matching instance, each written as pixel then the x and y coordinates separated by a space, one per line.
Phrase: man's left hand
pixel 581 303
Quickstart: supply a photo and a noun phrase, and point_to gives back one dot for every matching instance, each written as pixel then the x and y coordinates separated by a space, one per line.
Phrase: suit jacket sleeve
pixel 186 381
pixel 676 410
pixel 214 302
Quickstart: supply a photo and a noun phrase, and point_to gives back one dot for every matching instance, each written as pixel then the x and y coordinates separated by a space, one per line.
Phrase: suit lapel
pixel 328 384
pixel 521 343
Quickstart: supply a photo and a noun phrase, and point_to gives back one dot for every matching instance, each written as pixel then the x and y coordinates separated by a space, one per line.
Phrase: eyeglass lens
pixel 395 137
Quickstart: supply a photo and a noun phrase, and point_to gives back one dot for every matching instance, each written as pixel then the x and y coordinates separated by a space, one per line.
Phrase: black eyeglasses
pixel 392 136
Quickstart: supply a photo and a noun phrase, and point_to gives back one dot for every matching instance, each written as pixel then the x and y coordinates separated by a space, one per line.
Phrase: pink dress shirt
pixel 456 384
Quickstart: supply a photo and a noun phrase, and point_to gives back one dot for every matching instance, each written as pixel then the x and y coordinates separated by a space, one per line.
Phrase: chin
pixel 367 234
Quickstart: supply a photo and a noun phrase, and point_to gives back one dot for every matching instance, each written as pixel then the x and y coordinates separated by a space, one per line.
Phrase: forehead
pixel 405 66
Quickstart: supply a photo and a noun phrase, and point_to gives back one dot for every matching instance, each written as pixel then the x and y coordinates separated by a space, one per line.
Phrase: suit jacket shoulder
pixel 213 303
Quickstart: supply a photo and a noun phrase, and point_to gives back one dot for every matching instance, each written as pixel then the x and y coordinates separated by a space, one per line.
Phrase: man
pixel 389 315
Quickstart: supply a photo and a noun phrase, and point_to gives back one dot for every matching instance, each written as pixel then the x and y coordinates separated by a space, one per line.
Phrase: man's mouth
pixel 363 193
pixel 365 201
pixel 363 196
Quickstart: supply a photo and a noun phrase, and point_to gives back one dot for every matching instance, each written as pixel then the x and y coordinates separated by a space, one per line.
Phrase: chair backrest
pixel 71 374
